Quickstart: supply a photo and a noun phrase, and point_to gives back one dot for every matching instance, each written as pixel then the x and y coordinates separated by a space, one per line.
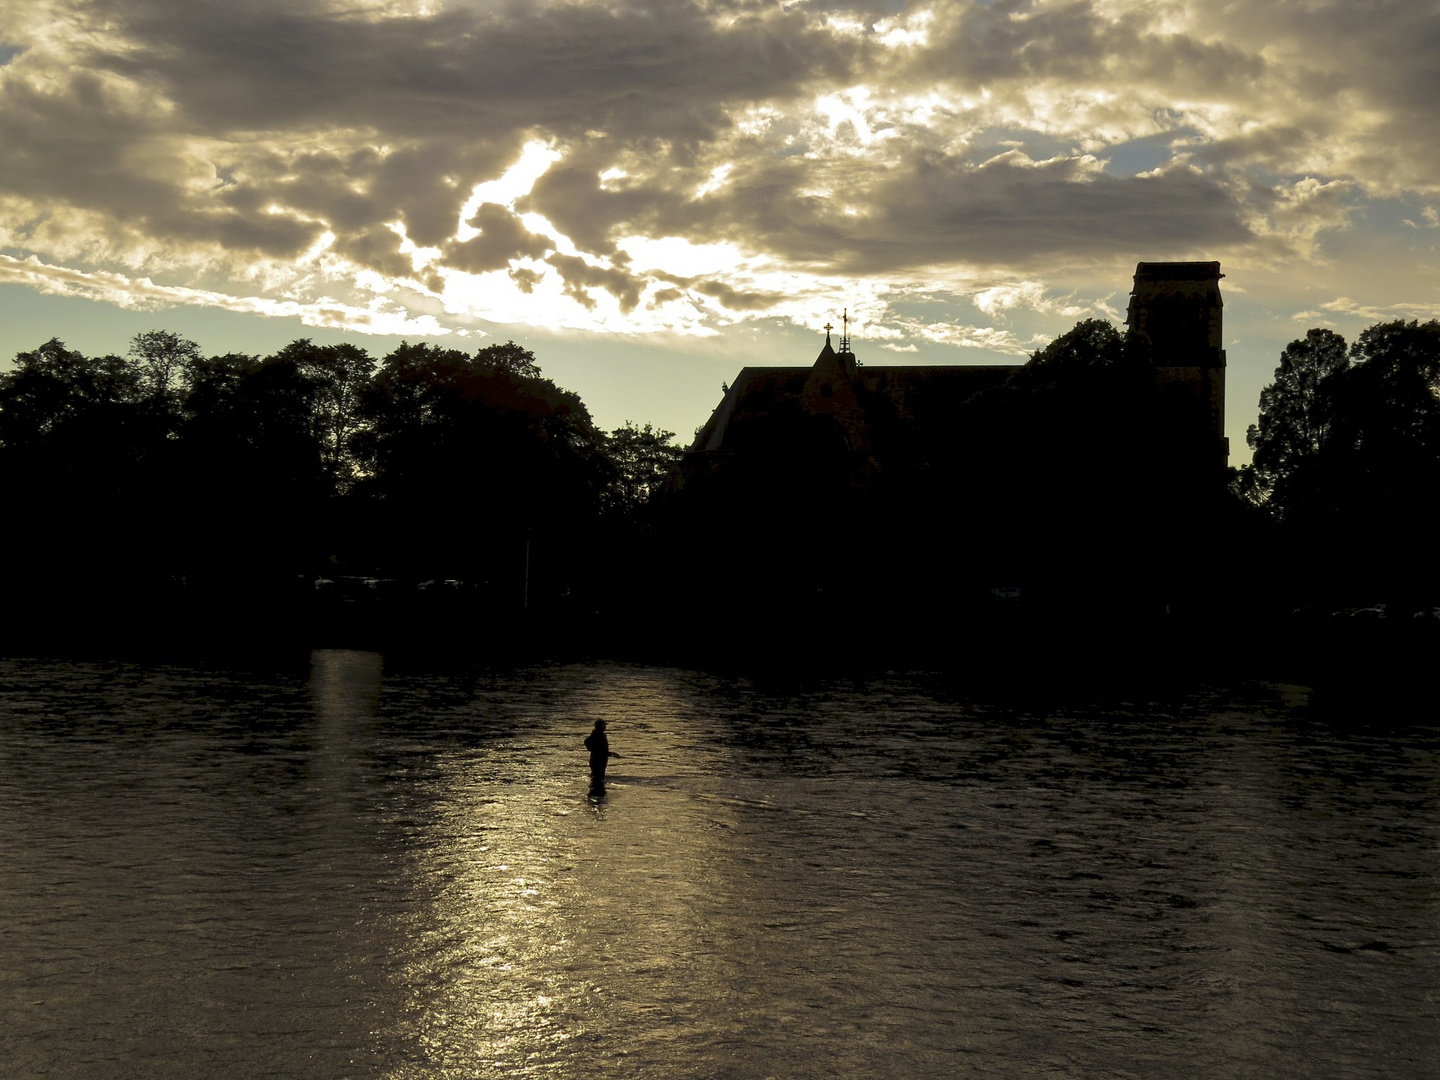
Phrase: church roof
pixel 755 390
pixel 921 395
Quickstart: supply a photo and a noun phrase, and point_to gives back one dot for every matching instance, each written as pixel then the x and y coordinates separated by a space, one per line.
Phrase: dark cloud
pixel 502 238
pixel 732 298
pixel 376 249
pixel 573 197
pixel 636 71
pixel 580 276
pixel 1272 148
pixel 86 147
pixel 1076 44
pixel 526 280
pixel 1019 213
pixel 73 143
pixel 984 44
pixel 929 210
pixel 738 299
pixel 1359 80
pixel 427 184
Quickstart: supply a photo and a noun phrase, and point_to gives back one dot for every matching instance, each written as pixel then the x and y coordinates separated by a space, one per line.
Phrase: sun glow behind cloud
pixel 516 181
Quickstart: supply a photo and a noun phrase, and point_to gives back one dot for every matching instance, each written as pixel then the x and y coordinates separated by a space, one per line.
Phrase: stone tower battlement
pixel 1175 317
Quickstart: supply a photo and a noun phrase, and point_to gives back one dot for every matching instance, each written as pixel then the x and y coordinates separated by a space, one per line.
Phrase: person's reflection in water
pixel 598 743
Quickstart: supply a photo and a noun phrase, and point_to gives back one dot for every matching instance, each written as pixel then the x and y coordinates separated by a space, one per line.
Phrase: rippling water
pixel 351 871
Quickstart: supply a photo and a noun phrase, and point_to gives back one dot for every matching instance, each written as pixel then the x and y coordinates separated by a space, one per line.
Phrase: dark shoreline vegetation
pixel 463 505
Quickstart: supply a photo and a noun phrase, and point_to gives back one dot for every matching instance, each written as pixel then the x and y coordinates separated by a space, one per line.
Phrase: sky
pixel 651 195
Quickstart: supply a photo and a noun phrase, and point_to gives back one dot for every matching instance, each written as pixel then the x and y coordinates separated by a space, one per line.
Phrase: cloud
pixel 1031 295
pixel 501 240
pixel 513 159
pixel 1430 215
pixel 1345 306
pixel 142 294
pixel 987 338
pixel 580 276
pixel 738 300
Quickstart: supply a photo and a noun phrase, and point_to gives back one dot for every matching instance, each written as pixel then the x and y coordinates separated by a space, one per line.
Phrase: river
pixel 348 868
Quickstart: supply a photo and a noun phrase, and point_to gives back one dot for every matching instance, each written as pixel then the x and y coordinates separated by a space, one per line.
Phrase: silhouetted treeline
pixel 321 493
pixel 1347 467
pixel 169 484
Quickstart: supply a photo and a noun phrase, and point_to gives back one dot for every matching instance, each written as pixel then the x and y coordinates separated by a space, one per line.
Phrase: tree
pixel 1297 411
pixel 253 468
pixel 341 374
pixel 509 357
pixel 1381 468
pixel 642 458
pixel 84 465
pixel 1347 460
pixel 53 385
pixel 468 457
pixel 59 405
pixel 214 382
pixel 1392 397
pixel 162 360
pixel 1340 429
pixel 1090 345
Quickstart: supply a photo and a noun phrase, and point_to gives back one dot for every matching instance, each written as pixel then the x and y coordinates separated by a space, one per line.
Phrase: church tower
pixel 832 389
pixel 1175 317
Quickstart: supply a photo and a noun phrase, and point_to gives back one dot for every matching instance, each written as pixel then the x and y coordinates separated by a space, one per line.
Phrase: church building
pixel 1089 480
pixel 1174 318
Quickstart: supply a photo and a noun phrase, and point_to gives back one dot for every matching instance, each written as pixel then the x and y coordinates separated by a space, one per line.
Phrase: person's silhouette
pixel 598 743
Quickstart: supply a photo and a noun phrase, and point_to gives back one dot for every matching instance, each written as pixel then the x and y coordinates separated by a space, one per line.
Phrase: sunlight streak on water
pixel 354 871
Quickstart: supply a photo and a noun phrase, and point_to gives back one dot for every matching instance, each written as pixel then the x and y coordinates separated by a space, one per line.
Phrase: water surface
pixel 356 871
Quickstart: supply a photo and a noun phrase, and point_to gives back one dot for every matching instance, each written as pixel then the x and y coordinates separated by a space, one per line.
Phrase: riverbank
pixel 993 652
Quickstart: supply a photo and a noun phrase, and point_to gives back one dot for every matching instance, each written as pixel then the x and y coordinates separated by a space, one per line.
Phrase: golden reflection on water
pixel 542 918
